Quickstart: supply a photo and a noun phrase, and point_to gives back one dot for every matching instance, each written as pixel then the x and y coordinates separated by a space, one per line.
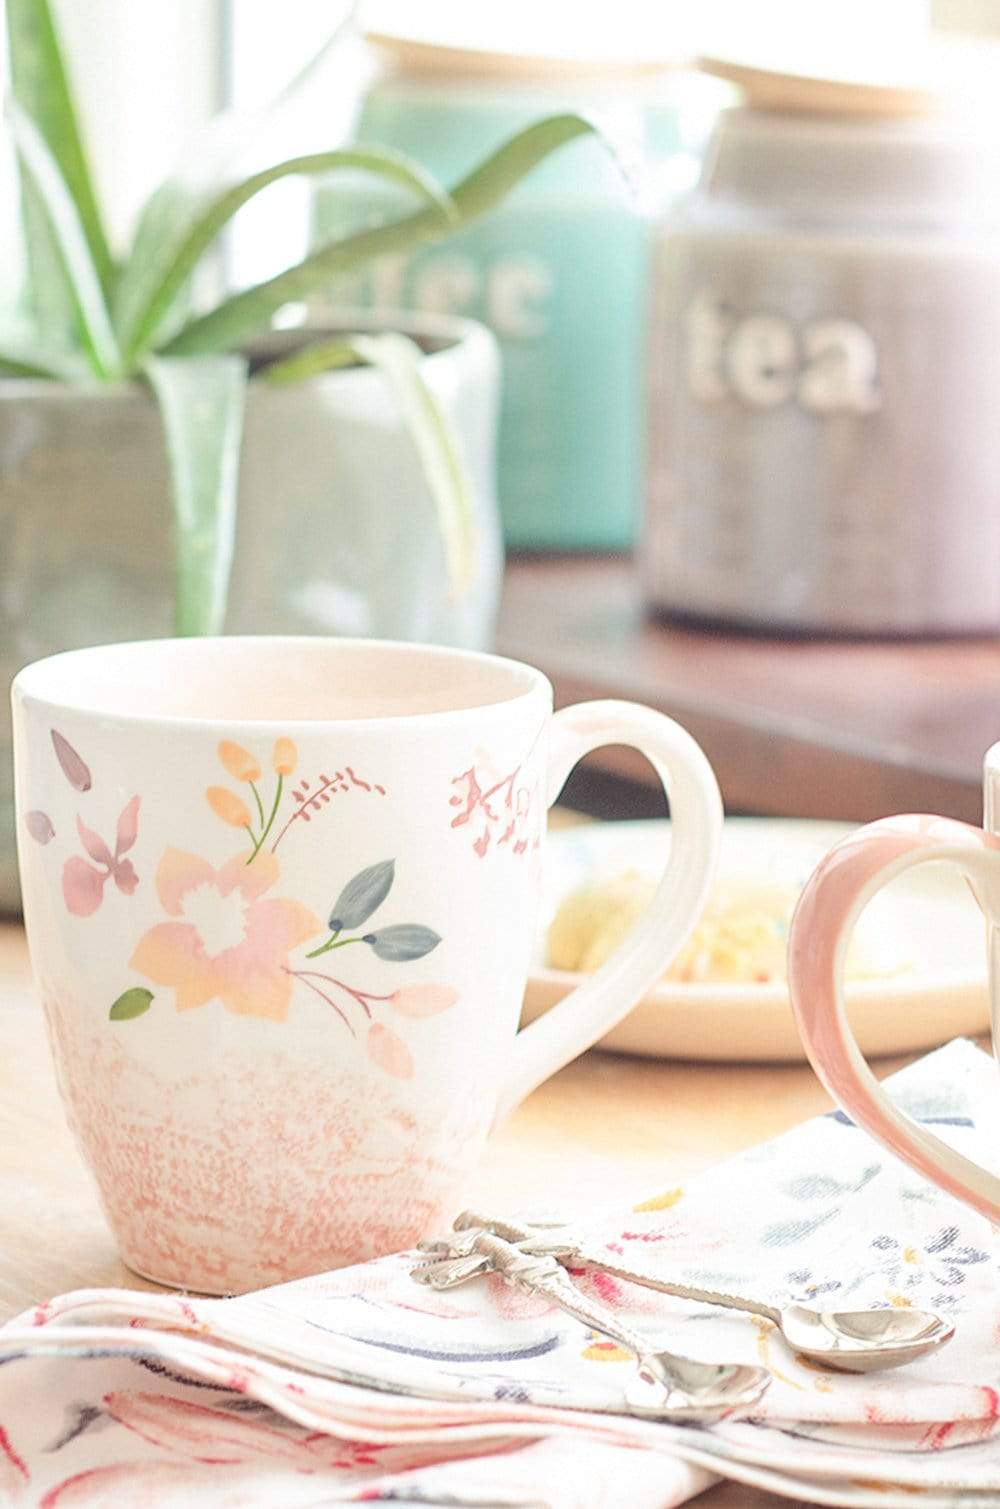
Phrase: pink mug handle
pixel 837 892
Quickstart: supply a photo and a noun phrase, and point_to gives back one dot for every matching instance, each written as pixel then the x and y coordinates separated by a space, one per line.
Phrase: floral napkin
pixel 310 1393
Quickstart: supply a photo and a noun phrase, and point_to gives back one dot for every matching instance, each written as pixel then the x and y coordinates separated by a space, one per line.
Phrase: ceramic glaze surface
pixel 282 959
pixel 843 883
pixel 822 391
pixel 253 1105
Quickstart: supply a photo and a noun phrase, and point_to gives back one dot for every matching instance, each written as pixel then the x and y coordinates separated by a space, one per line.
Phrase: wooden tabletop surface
pixel 605 1131
pixel 797 728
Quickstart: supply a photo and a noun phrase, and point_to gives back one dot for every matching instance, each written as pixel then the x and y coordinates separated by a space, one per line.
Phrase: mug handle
pixel 836 894
pixel 592 1009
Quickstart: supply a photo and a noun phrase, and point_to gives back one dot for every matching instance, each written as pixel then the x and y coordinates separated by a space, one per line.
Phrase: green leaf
pixel 48 295
pixel 236 139
pixel 362 896
pixel 224 151
pixel 42 90
pixel 311 72
pixel 311 361
pixel 82 280
pixel 130 1004
pixel 504 169
pixel 27 359
pixel 402 942
pixel 181 222
pixel 201 403
pixel 400 361
pixel 245 314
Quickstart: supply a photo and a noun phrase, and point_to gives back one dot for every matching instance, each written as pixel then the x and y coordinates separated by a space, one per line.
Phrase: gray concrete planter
pixel 336 531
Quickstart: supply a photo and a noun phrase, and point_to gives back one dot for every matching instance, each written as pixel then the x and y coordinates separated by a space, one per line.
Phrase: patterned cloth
pixel 110 1397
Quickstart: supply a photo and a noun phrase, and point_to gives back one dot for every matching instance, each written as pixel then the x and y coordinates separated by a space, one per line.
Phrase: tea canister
pixel 558 271
pixel 824 378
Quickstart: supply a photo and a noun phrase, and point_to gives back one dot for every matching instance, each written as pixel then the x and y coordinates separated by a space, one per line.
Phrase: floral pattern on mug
pixel 310 797
pixel 82 883
pixel 231 941
pixel 502 808
pixel 83 880
pixel 228 938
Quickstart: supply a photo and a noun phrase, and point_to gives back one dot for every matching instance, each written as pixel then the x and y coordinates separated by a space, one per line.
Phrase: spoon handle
pixel 682 1291
pixel 486 1250
pixel 664 1387
pixel 556 1240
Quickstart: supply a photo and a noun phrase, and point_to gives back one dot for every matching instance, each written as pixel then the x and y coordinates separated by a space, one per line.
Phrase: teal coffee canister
pixel 558 272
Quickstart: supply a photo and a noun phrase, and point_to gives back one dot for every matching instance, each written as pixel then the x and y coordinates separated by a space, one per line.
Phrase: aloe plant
pixel 99 318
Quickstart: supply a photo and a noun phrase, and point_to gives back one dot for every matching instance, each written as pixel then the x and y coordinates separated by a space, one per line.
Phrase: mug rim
pixel 25 691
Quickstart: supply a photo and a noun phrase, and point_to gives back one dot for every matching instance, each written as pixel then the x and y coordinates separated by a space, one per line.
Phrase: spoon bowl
pixel 668 1387
pixel 863 1341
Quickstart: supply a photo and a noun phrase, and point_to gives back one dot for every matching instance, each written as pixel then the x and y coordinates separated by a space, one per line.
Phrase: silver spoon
pixel 665 1386
pixel 848 1341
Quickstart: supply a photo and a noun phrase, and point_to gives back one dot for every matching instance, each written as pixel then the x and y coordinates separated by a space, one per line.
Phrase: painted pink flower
pixel 506 809
pixel 423 1000
pixel 230 942
pixel 82 883
pixel 389 1051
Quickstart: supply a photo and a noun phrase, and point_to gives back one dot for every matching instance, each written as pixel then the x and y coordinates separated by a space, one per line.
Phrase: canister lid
pixel 523 41
pixel 936 170
pixel 924 75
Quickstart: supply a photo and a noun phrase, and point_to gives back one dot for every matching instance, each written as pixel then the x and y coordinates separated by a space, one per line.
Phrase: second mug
pixel 837 892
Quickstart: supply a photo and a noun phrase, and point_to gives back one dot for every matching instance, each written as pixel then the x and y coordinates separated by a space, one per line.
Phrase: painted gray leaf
pixel 362 896
pixel 39 825
pixel 407 940
pixel 73 767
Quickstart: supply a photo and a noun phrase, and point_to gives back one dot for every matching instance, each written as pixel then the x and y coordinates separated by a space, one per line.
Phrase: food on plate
pixel 741 937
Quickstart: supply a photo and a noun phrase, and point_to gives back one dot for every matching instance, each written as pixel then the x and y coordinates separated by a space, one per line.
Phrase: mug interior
pixel 281 680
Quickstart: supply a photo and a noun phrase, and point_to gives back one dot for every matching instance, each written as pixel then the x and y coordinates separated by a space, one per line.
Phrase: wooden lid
pixel 522 40
pixel 922 80
pixel 412 55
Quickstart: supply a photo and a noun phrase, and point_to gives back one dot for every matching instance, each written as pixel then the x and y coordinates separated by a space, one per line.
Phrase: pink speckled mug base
pixel 190 1177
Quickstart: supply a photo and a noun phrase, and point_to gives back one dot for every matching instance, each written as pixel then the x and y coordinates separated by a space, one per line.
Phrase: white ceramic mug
pixel 834 897
pixel 281 897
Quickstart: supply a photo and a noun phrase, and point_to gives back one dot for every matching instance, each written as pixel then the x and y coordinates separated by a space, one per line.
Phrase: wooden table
pixel 604 1130
pixel 796 728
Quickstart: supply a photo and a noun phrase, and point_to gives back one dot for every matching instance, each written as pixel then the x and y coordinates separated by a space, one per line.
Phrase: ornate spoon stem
pixel 666 1386
pixel 854 1341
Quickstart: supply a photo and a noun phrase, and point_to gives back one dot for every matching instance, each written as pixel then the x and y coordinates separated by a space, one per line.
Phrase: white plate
pixel 926 921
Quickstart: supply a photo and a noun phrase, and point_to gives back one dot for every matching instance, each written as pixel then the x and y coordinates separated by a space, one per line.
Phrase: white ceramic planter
pixel 336 530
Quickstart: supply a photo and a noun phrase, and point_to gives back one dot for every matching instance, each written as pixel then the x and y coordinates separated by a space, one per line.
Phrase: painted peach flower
pixel 230 942
pixel 227 805
pixel 285 756
pixel 241 764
